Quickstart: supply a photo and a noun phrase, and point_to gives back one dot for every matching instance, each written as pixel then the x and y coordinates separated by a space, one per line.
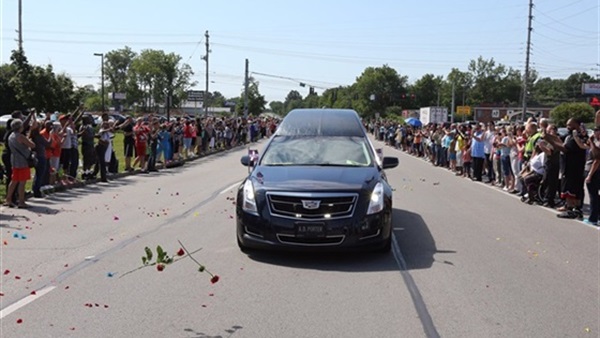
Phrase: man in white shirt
pixel 488 144
pixel 67 145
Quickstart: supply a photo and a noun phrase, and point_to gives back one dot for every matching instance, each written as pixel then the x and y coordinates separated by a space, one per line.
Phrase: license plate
pixel 310 230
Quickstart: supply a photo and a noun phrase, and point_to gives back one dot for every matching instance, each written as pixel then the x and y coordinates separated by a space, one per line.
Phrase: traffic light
pixel 311 91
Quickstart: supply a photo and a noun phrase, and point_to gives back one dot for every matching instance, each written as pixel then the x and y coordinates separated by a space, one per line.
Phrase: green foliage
pixel 153 75
pixel 578 110
pixel 376 89
pixel 256 101
pixel 494 83
pixel 277 107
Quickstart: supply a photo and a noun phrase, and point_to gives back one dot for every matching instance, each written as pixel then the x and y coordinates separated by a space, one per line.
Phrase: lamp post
pixel 101 55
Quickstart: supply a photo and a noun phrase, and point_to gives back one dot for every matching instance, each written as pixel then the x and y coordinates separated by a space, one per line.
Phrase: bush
pixel 581 111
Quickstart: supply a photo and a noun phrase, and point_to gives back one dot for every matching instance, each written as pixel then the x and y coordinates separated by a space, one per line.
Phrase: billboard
pixel 590 88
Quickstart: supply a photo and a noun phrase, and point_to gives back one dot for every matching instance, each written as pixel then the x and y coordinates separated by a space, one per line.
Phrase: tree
pixel 581 111
pixel 494 83
pixel 292 101
pixel 159 75
pixel 116 69
pixel 277 107
pixel 547 91
pixel 8 95
pixel 256 102
pixel 216 99
pixel 376 89
pixel 573 84
pixel 427 90
pixel 463 81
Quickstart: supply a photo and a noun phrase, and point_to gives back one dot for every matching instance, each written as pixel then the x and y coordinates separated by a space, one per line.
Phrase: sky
pixel 324 43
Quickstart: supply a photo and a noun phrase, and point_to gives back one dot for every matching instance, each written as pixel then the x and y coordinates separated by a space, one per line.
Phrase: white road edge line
pixel 224 191
pixel 15 306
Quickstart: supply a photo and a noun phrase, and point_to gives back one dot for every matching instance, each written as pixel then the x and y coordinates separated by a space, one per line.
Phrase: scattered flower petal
pixel 33 293
pixel 160 267
pixel 203 305
pixel 67 287
pixel 5 242
pixel 1 294
pixel 181 252
pixel 6 272
pixel 105 306
pixel 67 265
pixel 17 277
pixel 19 321
pixel 116 218
pixel 211 294
pixel 214 279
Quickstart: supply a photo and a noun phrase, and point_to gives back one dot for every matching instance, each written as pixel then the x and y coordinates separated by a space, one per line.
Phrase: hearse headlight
pixel 249 204
pixel 376 201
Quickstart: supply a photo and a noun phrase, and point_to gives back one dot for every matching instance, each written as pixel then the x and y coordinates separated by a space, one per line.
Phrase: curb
pixel 179 163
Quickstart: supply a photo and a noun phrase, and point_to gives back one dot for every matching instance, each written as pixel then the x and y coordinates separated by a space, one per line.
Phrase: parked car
pixel 318 185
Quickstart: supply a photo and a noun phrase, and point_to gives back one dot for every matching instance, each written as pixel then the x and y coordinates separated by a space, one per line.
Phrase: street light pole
pixel 101 55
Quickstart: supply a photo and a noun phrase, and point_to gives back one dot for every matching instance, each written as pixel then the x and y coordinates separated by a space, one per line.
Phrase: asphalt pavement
pixel 468 261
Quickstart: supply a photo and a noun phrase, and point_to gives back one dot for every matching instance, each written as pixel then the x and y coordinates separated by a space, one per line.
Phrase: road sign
pixel 463 110
pixel 195 95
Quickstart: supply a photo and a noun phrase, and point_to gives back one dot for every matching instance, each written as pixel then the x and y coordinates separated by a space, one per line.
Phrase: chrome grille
pixel 323 205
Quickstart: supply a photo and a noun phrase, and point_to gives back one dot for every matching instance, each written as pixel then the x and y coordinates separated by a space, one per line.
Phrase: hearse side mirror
pixel 245 160
pixel 251 159
pixel 390 162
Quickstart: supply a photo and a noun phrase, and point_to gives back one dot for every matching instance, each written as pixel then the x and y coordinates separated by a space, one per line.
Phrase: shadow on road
pixel 346 262
pixel 415 240
pixel 197 334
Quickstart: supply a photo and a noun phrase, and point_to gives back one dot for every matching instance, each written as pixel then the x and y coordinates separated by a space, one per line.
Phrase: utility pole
pixel 205 100
pixel 526 75
pixel 246 92
pixel 453 103
pixel 101 55
pixel 20 25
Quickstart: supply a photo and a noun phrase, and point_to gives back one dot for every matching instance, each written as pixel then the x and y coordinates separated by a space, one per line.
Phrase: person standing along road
pixel 20 147
pixel 42 143
pixel 478 153
pixel 6 153
pixel 128 141
pixel 102 148
pixel 86 133
pixel 67 145
pixel 140 132
pixel 74 160
pixel 488 144
pixel 574 150
pixel 592 179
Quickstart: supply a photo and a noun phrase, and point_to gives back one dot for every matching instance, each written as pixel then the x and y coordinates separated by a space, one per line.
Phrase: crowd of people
pixel 532 159
pixel 67 148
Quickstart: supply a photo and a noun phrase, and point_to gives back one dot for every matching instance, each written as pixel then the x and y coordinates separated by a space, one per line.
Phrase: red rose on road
pixel 214 279
pixel 181 252
pixel 160 267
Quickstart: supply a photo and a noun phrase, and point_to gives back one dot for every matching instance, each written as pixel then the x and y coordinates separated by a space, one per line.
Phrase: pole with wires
pixel 206 93
pixel 526 75
pixel 246 92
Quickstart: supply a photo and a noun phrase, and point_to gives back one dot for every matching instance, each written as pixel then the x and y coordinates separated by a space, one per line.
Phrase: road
pixel 467 261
